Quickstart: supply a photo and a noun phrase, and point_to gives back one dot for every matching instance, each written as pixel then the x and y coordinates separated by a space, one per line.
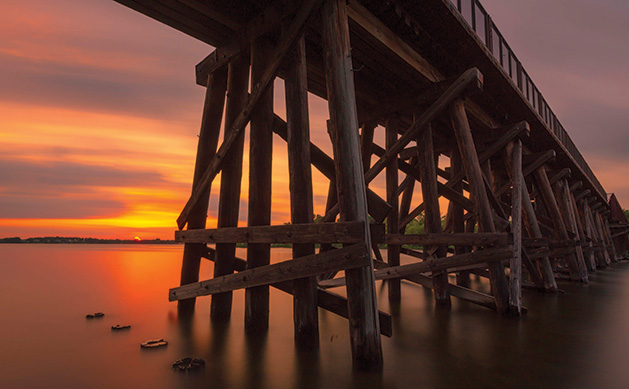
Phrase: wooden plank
pixel 342 259
pixel 352 196
pixel 432 215
pixel 515 264
pixel 258 90
pixel 325 300
pixel 582 195
pixel 260 182
pixel 474 175
pixel 393 250
pixel 305 313
pixel 446 239
pixel 435 264
pixel 229 200
pixel 563 196
pixel 208 141
pixel 341 232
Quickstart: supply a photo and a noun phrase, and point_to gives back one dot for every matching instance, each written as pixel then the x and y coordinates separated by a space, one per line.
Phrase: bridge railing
pixel 480 21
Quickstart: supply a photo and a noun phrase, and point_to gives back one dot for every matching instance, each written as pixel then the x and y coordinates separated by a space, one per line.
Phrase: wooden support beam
pixel 208 141
pixel 238 125
pixel 473 172
pixel 342 259
pixel 329 301
pixel 432 215
pixel 264 23
pixel 446 239
pixel 260 182
pixel 488 256
pixel 352 197
pixel 582 195
pixel 342 232
pixel 590 262
pixel 563 196
pixel 553 208
pixel 305 313
pixel 393 250
pixel 457 213
pixel 229 200
pixel 377 207
pixel 407 195
pixel 470 78
pixel 515 264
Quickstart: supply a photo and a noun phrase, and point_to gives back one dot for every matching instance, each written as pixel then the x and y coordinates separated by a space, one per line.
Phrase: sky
pixel 99 110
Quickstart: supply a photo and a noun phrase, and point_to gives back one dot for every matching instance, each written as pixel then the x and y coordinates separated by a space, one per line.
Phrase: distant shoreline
pixel 75 240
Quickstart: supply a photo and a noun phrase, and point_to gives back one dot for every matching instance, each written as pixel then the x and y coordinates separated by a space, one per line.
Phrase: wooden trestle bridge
pixel 524 207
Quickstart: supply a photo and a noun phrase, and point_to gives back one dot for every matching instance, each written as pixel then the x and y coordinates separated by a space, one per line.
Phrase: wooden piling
pixel 393 221
pixel 305 312
pixel 229 200
pixel 361 296
pixel 432 218
pixel 515 264
pixel 474 174
pixel 208 141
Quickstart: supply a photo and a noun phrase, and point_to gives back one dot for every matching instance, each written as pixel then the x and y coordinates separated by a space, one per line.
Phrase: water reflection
pixel 572 339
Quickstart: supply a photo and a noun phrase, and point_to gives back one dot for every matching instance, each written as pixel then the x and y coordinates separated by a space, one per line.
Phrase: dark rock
pixel 99 314
pixel 188 364
pixel 89 316
pixel 120 327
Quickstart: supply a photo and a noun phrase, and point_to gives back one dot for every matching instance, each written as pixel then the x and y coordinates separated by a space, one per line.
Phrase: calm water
pixel 576 339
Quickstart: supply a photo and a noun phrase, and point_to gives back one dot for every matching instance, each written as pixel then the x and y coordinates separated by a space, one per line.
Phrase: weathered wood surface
pixel 377 207
pixel 342 259
pixel 258 90
pixel 342 232
pixel 393 250
pixel 474 175
pixel 432 214
pixel 444 239
pixel 208 141
pixel 553 208
pixel 515 264
pixel 352 197
pixel 305 313
pixel 229 200
pixel 471 77
pixel 260 182
pixel 329 301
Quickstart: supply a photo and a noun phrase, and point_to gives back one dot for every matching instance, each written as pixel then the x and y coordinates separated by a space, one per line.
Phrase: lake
pixel 574 339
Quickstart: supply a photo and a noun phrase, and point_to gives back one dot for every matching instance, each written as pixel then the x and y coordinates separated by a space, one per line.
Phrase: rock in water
pixel 120 327
pixel 94 315
pixel 188 364
pixel 89 316
pixel 99 314
pixel 154 343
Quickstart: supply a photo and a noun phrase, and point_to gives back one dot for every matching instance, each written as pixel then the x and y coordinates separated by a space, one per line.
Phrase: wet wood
pixel 563 196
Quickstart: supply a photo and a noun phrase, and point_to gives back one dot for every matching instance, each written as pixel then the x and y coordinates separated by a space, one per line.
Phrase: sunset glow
pixel 99 116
